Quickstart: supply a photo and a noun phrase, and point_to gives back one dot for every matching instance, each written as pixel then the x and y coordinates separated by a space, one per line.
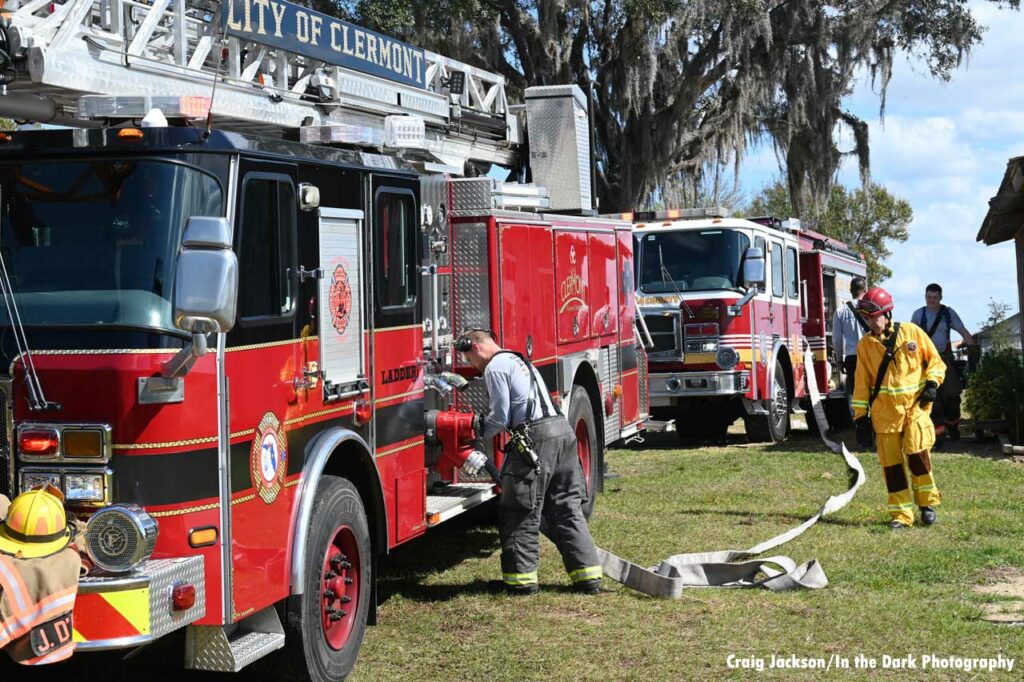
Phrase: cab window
pixel 267 248
pixel 777 274
pixel 395 243
pixel 792 273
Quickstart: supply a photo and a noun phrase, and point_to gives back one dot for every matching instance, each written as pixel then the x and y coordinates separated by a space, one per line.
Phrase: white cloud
pixel 943 147
pixel 985 80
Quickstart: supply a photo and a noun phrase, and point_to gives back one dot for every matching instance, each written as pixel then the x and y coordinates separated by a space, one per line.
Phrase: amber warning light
pixel 137 106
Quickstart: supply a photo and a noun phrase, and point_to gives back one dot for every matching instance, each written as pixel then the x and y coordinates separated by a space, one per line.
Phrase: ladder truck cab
pixel 231 346
pixel 728 306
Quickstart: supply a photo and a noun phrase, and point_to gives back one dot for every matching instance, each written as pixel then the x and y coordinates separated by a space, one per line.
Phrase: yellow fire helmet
pixel 36 524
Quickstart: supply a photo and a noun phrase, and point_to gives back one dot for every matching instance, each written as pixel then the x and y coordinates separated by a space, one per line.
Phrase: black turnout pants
pixel 547 500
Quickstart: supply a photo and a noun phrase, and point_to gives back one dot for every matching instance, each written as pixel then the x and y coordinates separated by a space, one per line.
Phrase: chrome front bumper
pixel 125 611
pixel 668 388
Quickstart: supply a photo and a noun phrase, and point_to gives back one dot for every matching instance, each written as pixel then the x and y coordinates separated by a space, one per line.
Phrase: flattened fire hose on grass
pixel 739 568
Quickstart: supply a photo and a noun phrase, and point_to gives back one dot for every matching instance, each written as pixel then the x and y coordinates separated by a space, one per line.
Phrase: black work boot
pixel 896 525
pixel 522 590
pixel 588 586
pixel 927 516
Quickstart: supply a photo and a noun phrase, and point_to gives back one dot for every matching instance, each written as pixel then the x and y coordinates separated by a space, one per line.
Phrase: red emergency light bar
pixel 671 214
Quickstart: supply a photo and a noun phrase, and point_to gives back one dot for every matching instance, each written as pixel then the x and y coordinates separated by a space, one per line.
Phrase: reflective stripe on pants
pixel 899 451
pixel 549 501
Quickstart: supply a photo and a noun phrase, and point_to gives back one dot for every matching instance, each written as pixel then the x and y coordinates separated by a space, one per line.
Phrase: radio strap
pixel 890 351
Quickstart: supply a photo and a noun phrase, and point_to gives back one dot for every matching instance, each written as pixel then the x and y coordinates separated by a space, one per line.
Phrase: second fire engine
pixel 729 305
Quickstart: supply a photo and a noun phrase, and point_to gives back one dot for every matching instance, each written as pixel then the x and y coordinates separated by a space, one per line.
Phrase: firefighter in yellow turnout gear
pixel 891 402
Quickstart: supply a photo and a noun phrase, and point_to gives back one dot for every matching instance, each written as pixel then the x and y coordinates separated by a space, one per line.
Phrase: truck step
pixel 229 648
pixel 451 500
pixel 656 426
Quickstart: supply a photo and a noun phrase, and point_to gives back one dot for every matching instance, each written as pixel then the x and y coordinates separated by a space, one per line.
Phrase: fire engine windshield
pixel 691 260
pixel 94 242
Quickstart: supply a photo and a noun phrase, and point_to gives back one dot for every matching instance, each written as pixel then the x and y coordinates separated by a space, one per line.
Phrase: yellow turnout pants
pixel 905 449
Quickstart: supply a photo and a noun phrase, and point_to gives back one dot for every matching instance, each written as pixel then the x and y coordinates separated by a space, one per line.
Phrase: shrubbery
pixel 996 390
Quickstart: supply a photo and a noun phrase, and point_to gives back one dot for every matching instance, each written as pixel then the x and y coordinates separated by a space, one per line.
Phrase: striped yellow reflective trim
pixel 901 390
pixel 519 578
pixel 923 488
pixel 859 403
pixel 901 507
pixel 114 615
pixel 585 573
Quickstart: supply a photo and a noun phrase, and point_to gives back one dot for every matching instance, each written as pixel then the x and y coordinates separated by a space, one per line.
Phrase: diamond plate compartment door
pixel 558 127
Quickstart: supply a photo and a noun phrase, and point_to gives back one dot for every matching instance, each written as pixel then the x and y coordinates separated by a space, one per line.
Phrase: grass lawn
pixel 895 594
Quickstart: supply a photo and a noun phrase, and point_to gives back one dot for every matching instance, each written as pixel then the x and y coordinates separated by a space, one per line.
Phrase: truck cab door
pixel 395 249
pixel 262 360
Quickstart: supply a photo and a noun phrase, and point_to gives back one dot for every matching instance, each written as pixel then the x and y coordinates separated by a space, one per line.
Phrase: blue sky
pixel 943 147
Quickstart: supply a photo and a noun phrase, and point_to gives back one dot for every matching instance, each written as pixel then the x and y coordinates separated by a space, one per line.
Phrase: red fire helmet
pixel 876 301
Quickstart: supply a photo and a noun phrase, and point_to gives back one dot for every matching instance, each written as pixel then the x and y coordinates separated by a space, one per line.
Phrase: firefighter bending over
pixel 541 477
pixel 898 375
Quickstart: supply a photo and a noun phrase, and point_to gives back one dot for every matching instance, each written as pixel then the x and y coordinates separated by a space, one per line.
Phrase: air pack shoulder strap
pixel 939 316
pixel 534 388
pixel 856 315
pixel 890 350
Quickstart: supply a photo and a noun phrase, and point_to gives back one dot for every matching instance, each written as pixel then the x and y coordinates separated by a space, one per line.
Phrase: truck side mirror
pixel 753 267
pixel 206 277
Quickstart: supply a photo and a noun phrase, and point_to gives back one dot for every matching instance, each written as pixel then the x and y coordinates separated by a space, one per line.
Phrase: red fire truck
pixel 231 346
pixel 729 305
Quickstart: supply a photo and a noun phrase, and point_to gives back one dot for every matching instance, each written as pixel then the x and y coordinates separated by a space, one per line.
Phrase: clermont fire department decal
pixel 341 300
pixel 269 457
pixel 912 346
pixel 571 288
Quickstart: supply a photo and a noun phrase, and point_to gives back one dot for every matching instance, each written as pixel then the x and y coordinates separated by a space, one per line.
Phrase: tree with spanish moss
pixel 681 86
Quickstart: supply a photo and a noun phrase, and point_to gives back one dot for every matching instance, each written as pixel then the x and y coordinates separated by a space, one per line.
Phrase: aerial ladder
pixel 259 79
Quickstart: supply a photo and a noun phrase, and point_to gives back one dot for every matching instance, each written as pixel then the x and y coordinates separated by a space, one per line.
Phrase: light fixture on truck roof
pixel 398 132
pixel 138 106
pixel 405 132
pixel 672 214
pixel 784 224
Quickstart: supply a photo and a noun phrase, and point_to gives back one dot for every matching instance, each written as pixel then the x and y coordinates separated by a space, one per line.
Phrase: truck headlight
pixel 120 537
pixel 727 358
pixel 35 479
pixel 84 487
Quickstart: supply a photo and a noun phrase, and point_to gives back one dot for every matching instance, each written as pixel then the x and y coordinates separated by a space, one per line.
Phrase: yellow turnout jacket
pixel 915 361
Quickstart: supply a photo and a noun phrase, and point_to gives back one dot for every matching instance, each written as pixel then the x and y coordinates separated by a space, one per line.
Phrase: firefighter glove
pixel 865 432
pixel 929 394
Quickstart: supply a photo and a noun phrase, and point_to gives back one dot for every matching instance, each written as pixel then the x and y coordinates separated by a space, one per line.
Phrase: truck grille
pixel 6 425
pixel 663 333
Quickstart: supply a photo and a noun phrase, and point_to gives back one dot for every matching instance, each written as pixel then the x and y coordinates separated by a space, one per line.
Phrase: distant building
pixel 1005 221
pixel 1008 329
